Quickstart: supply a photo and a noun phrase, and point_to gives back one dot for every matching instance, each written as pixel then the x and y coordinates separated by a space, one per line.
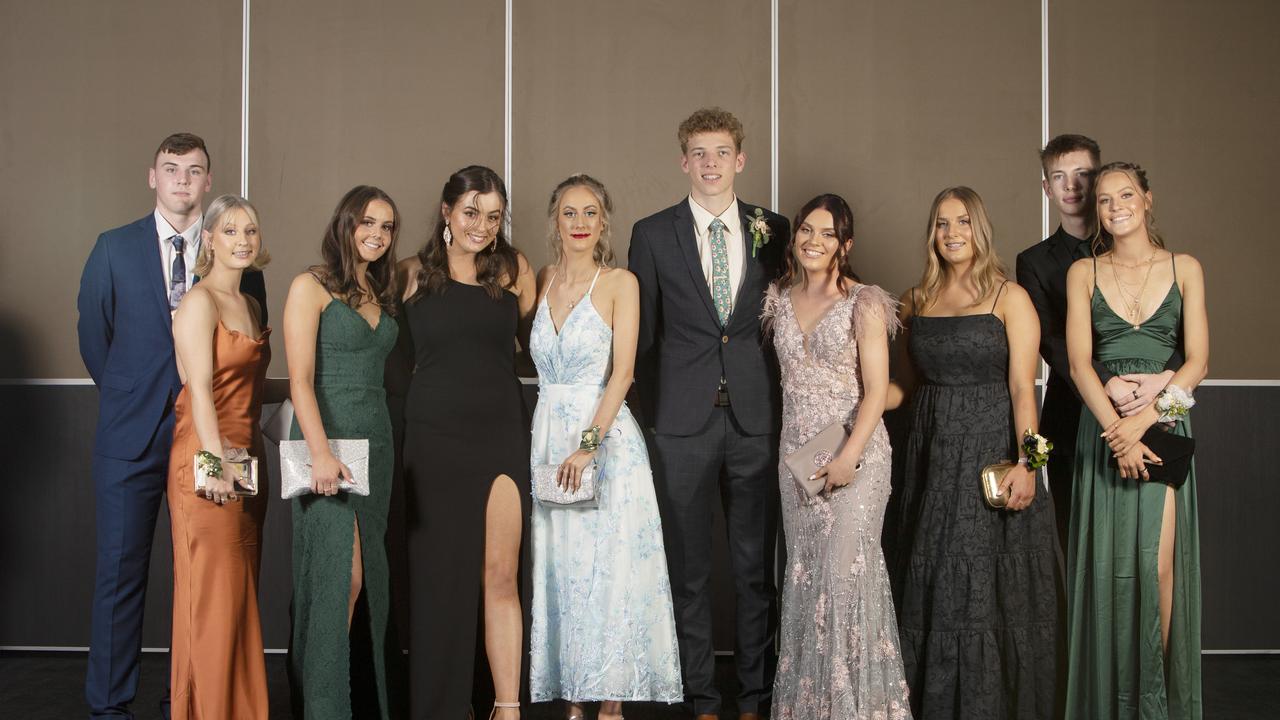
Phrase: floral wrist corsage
pixel 1173 403
pixel 759 231
pixel 209 464
pixel 1037 448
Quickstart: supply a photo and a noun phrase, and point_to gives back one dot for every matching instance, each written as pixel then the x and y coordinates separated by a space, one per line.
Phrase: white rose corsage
pixel 759 231
pixel 1173 403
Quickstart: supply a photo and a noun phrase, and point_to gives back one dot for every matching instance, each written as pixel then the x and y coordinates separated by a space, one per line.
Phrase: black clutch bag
pixel 1174 450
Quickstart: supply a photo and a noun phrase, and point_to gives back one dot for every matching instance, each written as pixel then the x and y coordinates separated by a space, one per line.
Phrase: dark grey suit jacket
pixel 683 351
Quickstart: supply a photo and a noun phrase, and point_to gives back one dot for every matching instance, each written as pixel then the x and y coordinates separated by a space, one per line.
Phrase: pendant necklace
pixel 1133 303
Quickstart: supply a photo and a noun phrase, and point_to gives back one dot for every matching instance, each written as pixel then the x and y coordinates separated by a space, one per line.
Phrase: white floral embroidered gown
pixel 603 627
pixel 838 650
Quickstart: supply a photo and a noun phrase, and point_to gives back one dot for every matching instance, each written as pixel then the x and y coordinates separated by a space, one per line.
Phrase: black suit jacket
pixel 683 351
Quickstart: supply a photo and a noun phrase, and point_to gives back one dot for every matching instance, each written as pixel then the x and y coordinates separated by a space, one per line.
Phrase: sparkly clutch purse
pixel 813 455
pixel 295 466
pixel 550 494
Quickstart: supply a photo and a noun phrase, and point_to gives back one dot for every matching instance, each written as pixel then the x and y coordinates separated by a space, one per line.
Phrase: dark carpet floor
pixel 36 686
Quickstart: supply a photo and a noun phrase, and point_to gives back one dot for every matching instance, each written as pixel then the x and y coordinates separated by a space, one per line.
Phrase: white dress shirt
pixel 190 251
pixel 732 220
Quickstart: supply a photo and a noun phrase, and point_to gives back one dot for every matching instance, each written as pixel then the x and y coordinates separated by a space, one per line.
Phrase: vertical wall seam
pixel 1044 140
pixel 506 112
pixel 244 98
pixel 773 105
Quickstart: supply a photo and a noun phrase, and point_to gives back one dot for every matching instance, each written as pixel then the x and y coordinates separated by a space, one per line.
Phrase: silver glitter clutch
pixel 295 466
pixel 547 492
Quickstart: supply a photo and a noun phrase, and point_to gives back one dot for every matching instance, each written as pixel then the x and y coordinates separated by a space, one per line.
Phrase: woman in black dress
pixel 978 589
pixel 468 296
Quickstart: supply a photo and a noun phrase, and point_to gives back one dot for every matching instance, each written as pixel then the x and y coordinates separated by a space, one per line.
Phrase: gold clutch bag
pixel 992 476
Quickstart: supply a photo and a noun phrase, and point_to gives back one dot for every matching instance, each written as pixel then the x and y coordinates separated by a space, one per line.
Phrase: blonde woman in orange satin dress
pixel 216 661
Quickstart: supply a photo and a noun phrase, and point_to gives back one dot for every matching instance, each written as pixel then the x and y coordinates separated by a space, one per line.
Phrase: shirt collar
pixel 191 235
pixel 702 217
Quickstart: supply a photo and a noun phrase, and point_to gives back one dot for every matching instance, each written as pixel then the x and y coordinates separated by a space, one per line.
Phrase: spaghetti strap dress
pixel 979 589
pixel 350 356
pixel 217 668
pixel 465 424
pixel 1116 663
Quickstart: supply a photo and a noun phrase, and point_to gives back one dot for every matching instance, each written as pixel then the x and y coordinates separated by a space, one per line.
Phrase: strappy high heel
pixel 499 705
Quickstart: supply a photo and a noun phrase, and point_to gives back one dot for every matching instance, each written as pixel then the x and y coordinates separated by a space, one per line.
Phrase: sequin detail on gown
pixel 838 654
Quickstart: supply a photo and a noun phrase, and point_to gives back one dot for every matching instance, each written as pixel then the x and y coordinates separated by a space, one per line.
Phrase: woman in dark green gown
pixel 1133 563
pixel 338 332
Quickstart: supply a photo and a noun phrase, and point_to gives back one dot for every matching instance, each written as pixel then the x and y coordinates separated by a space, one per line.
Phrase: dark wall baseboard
pixel 47 526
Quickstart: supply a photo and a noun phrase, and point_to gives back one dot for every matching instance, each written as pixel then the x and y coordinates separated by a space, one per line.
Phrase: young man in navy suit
pixel 708 387
pixel 132 283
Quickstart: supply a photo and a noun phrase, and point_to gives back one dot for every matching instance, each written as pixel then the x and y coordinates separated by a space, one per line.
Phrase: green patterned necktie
pixel 720 271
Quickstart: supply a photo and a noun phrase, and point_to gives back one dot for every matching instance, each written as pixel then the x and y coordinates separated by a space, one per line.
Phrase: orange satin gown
pixel 217 667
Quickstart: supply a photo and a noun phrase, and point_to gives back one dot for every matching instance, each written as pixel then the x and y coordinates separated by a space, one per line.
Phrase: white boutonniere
pixel 759 231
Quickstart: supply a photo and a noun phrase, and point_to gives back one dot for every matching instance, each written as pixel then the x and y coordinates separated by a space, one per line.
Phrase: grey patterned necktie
pixel 177 272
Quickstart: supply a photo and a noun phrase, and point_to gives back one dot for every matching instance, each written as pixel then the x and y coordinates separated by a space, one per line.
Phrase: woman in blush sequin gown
pixel 838 653
pixel 603 626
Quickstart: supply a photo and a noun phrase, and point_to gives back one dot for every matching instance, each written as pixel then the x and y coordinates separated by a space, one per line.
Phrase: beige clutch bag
pixel 992 476
pixel 813 455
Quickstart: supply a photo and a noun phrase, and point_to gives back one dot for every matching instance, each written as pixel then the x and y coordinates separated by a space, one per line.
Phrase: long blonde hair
pixel 1101 240
pixel 988 270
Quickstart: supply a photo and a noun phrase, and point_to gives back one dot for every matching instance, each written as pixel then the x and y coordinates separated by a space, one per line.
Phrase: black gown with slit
pixel 465 424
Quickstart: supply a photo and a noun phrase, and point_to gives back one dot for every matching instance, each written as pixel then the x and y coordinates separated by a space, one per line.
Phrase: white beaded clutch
pixel 549 493
pixel 295 466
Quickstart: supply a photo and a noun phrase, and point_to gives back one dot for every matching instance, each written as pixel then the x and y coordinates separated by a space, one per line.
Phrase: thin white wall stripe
pixel 506 112
pixel 1044 138
pixel 244 98
pixel 773 105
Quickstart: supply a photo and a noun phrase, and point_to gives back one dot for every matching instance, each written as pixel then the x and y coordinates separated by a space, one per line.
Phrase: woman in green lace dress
pixel 338 331
pixel 1133 562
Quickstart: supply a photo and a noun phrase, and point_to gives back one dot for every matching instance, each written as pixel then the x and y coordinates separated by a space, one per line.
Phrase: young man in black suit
pixel 709 390
pixel 1069 163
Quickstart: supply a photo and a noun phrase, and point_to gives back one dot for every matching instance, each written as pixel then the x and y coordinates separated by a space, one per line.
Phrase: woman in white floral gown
pixel 603 628
pixel 838 652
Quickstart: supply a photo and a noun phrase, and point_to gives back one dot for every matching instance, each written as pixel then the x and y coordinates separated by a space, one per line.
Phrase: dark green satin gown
pixel 1116 663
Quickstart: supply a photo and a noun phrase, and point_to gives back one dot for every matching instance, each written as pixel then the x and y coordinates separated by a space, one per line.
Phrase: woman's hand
pixel 1148 386
pixel 326 472
pixel 569 477
pixel 838 473
pixel 220 490
pixel 1020 485
pixel 1133 464
pixel 1127 431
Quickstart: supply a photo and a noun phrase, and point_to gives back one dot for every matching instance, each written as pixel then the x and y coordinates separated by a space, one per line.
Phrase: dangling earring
pixel 494 245
pixel 448 236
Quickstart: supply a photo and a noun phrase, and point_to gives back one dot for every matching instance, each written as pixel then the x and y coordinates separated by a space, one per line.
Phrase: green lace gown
pixel 350 356
pixel 1116 664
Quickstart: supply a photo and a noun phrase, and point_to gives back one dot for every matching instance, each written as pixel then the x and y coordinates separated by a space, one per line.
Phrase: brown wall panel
pixel 87 92
pixel 1190 91
pixel 397 94
pixel 601 88
pixel 901 100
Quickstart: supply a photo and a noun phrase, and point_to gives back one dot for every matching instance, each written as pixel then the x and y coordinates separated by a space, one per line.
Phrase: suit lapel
pixel 152 272
pixel 688 242
pixel 750 265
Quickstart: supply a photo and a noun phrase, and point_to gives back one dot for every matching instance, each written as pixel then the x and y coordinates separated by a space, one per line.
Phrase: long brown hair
pixel 497 266
pixel 1102 240
pixel 987 268
pixel 602 253
pixel 842 217
pixel 338 271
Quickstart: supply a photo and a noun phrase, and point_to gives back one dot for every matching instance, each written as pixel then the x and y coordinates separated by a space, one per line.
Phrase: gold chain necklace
pixel 1133 303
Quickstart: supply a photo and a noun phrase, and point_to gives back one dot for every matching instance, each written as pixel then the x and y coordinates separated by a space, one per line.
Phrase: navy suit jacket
pixel 126 337
pixel 682 350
